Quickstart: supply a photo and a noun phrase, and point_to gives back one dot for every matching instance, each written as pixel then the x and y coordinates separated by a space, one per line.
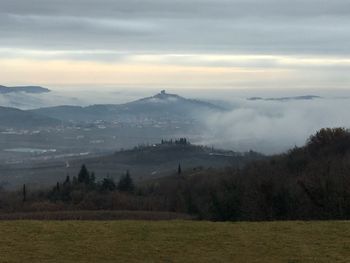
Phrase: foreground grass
pixel 173 241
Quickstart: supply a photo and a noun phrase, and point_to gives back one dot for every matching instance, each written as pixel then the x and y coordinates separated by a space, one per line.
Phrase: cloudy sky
pixel 179 43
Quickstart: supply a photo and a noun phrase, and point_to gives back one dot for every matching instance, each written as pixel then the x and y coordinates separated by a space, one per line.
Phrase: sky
pixel 228 44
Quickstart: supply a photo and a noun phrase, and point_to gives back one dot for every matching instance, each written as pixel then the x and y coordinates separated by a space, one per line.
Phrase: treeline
pixel 83 191
pixel 310 182
pixel 181 141
pixel 85 183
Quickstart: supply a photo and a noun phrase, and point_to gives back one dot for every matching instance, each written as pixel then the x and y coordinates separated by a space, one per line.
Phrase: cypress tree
pixel 179 169
pixel 83 176
pixel 24 193
pixel 126 183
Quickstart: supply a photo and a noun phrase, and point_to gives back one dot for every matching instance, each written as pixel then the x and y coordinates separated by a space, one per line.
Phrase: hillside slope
pixel 144 163
pixel 15 118
pixel 159 107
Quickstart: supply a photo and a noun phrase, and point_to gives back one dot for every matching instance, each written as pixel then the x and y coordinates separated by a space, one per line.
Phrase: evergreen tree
pixel 92 178
pixel 24 193
pixel 84 176
pixel 126 183
pixel 179 171
pixel 108 184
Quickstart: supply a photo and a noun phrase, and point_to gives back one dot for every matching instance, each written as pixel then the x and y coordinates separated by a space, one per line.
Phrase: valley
pixel 40 147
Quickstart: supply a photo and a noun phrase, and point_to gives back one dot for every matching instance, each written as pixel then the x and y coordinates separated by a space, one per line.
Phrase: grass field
pixel 173 241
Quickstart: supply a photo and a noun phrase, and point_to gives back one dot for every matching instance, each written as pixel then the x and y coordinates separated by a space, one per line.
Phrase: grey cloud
pixel 178 9
pixel 249 26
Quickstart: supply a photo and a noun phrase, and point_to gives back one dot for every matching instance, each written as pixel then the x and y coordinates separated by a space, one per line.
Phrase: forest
pixel 306 183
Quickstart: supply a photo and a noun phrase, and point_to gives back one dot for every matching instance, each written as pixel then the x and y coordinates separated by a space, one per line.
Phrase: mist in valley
pixel 273 123
pixel 274 126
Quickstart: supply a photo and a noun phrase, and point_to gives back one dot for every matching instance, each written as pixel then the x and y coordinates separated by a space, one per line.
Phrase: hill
pixel 306 183
pixel 162 106
pixel 310 182
pixel 15 118
pixel 282 99
pixel 25 89
pixel 144 163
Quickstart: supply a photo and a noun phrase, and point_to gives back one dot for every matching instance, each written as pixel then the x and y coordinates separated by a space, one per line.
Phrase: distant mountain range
pixel 26 89
pixel 15 118
pixel 158 107
pixel 306 97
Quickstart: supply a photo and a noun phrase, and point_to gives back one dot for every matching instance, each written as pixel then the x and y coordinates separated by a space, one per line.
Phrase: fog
pixel 261 125
pixel 274 126
pixel 70 96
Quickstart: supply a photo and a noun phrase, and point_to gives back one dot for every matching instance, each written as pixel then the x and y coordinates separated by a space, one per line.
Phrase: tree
pixel 126 183
pixel 67 181
pixel 92 178
pixel 84 176
pixel 179 169
pixel 24 193
pixel 329 141
pixel 108 184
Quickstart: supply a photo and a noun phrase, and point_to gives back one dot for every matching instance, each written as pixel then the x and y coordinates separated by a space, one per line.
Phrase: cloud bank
pixel 236 26
pixel 303 42
pixel 264 126
pixel 272 126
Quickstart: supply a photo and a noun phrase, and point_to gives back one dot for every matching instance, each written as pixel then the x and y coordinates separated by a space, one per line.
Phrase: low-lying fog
pixel 261 125
pixel 275 126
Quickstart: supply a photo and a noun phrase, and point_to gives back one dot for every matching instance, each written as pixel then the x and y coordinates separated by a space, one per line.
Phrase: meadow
pixel 174 241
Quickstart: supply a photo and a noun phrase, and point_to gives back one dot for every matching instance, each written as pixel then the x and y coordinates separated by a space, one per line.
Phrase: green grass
pixel 173 241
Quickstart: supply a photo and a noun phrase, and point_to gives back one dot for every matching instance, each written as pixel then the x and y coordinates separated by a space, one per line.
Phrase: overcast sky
pixel 183 43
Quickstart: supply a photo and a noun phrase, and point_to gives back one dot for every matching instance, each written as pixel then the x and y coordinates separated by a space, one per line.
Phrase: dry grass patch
pixel 174 241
